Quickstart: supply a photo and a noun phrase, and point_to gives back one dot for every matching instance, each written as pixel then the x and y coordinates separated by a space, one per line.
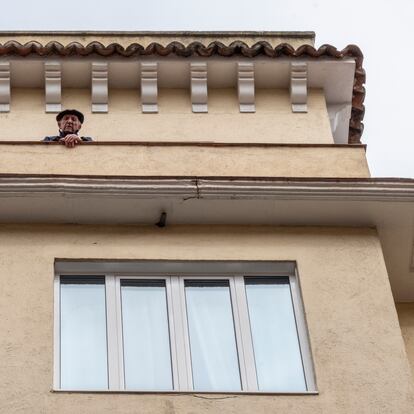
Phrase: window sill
pixel 193 393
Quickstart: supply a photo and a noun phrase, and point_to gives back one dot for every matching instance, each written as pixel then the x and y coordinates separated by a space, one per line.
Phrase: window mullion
pixel 112 333
pixel 237 329
pixel 56 333
pixel 246 336
pixel 119 333
pixel 181 334
pixel 173 335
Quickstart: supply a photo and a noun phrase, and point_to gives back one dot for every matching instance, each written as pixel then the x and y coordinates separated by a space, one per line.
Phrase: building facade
pixel 219 246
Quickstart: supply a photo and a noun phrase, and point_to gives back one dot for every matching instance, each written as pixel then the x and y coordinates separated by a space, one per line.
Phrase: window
pixel 180 326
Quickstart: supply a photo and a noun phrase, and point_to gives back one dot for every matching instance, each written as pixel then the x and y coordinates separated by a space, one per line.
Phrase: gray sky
pixel 383 29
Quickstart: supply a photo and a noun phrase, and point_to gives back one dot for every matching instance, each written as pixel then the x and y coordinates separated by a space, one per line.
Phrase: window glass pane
pixel 275 340
pixel 147 356
pixel 83 348
pixel 212 338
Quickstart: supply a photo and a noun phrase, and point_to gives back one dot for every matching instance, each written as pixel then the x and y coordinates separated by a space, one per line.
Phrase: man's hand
pixel 70 141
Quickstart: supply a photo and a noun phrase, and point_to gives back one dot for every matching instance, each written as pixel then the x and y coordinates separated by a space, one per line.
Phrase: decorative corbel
pixel 99 87
pixel 299 86
pixel 149 87
pixel 245 83
pixel 4 86
pixel 199 87
pixel 53 87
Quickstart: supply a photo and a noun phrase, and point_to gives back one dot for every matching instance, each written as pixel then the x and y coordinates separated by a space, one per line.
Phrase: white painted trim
pixel 182 358
pixel 119 333
pixel 56 332
pixel 299 86
pixel 99 87
pixel 5 87
pixel 245 86
pixel 175 358
pixel 83 186
pixel 303 336
pixel 112 333
pixel 234 189
pixel 245 335
pixel 149 87
pixel 199 90
pixel 53 86
pixel 339 116
pixel 185 332
pixel 305 190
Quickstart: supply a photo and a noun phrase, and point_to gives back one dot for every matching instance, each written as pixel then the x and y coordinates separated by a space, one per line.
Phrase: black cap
pixel 78 114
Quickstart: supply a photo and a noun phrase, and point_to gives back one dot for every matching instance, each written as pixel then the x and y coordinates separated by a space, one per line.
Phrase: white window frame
pixel 175 273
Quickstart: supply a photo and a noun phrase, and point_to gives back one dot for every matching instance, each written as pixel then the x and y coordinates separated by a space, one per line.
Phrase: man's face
pixel 70 124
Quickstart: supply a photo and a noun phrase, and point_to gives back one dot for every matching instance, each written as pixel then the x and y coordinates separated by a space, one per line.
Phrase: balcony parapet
pixel 338 72
pixel 123 158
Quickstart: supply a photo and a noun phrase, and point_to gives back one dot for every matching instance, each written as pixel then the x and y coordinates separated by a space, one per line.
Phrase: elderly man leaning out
pixel 69 122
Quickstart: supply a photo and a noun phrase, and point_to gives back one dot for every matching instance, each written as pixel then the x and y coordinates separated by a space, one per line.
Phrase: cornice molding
pixel 139 188
pixel 211 187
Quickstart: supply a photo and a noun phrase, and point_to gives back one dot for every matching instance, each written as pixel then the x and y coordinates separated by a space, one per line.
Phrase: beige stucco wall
pixel 360 361
pixel 126 39
pixel 272 122
pixel 406 317
pixel 143 160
